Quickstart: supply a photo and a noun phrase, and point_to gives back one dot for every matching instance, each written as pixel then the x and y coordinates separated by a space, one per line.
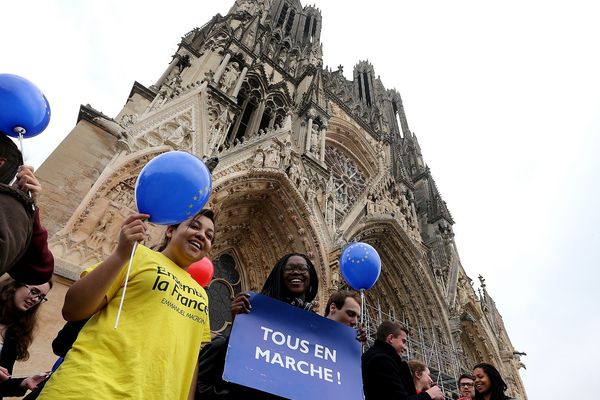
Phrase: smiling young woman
pixel 19 304
pixel 489 385
pixel 153 354
pixel 293 280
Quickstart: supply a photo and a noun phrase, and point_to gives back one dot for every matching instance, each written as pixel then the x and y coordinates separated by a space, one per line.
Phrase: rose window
pixel 349 182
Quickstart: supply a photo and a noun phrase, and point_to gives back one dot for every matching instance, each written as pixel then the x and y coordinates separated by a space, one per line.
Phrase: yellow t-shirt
pixel 153 352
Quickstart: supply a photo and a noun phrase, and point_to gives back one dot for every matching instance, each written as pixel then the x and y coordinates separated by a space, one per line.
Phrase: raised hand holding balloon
pixel 24 110
pixel 171 188
pixel 360 265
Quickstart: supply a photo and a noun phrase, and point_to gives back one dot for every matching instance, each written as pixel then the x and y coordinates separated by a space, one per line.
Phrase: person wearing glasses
pixel 19 304
pixel 466 387
pixel 293 280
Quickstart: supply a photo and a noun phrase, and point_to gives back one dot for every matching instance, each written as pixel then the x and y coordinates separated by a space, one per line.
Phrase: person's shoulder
pixel 375 355
pixel 145 254
pixel 143 250
pixel 15 196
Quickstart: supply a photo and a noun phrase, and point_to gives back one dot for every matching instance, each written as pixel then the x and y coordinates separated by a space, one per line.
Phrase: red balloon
pixel 202 271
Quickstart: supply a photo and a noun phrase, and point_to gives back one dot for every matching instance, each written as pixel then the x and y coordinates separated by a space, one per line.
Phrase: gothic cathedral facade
pixel 308 161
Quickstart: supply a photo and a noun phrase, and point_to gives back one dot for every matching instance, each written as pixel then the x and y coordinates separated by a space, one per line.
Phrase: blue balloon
pixel 22 105
pixel 172 187
pixel 360 265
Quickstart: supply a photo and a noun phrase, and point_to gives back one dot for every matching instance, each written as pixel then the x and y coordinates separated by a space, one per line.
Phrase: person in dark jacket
pixel 24 252
pixel 19 304
pixel 385 374
pixel 293 280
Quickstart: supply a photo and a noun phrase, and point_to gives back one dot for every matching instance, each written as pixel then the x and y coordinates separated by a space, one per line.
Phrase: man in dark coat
pixel 385 374
pixel 24 252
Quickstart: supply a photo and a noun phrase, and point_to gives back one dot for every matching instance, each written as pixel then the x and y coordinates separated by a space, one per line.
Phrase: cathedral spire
pixel 437 208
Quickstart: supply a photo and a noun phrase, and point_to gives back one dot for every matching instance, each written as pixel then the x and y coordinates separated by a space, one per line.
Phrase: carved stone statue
pixel 229 77
pixel 272 157
pixel 180 134
pixel 172 87
pixel 259 158
pixel 315 139
pixel 294 173
pixel 292 66
pixel 247 6
pixel 128 119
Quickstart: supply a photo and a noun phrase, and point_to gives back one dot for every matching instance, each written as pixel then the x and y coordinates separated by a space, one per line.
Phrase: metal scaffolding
pixel 442 359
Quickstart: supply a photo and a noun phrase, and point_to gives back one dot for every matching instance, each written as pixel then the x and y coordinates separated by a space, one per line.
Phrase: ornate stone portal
pixel 308 161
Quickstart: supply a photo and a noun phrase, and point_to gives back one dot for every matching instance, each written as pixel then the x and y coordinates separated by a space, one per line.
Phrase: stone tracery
pixel 349 182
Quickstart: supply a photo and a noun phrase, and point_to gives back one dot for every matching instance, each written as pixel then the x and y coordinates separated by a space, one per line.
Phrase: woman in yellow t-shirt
pixel 153 352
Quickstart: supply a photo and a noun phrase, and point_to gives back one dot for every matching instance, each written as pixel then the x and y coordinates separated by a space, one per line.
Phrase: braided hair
pixel 275 288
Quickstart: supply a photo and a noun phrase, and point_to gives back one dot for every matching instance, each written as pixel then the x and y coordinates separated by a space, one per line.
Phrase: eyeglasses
pixel 35 294
pixel 466 384
pixel 301 268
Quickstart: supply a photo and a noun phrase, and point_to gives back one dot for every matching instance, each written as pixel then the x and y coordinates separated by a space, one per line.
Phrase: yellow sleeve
pixel 120 279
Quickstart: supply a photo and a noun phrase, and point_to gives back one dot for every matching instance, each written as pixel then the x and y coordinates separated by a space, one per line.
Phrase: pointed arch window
pixel 274 113
pixel 397 116
pixel 249 100
pixel 367 86
pixel 290 22
pixel 225 284
pixel 282 15
pixel 306 30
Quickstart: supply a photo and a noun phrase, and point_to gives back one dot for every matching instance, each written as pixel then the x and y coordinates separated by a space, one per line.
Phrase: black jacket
pixel 386 376
pixel 211 385
pixel 8 356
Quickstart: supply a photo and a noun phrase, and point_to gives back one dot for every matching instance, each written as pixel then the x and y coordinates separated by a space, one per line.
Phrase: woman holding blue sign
pixel 293 280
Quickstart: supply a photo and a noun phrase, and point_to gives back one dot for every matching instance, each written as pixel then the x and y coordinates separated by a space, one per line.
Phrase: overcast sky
pixel 503 96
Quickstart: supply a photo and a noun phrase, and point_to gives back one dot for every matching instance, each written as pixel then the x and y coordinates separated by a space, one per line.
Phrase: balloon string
pixel 20 131
pixel 362 306
pixel 21 142
pixel 125 285
pixel 362 316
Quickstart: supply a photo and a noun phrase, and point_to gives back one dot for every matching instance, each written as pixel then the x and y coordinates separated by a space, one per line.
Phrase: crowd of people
pixel 164 349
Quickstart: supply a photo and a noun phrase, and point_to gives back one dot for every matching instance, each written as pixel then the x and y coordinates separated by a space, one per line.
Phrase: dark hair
pixel 19 325
pixel 14 158
pixel 205 212
pixel 466 376
pixel 339 299
pixel 274 287
pixel 497 384
pixel 389 328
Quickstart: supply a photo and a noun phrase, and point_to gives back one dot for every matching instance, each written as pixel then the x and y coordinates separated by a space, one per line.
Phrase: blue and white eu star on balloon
pixel 360 265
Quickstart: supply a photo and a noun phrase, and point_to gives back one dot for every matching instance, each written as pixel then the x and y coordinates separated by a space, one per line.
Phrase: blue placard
pixel 293 353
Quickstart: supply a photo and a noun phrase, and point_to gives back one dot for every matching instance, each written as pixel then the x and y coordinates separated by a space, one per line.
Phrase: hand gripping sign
pixel 293 353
